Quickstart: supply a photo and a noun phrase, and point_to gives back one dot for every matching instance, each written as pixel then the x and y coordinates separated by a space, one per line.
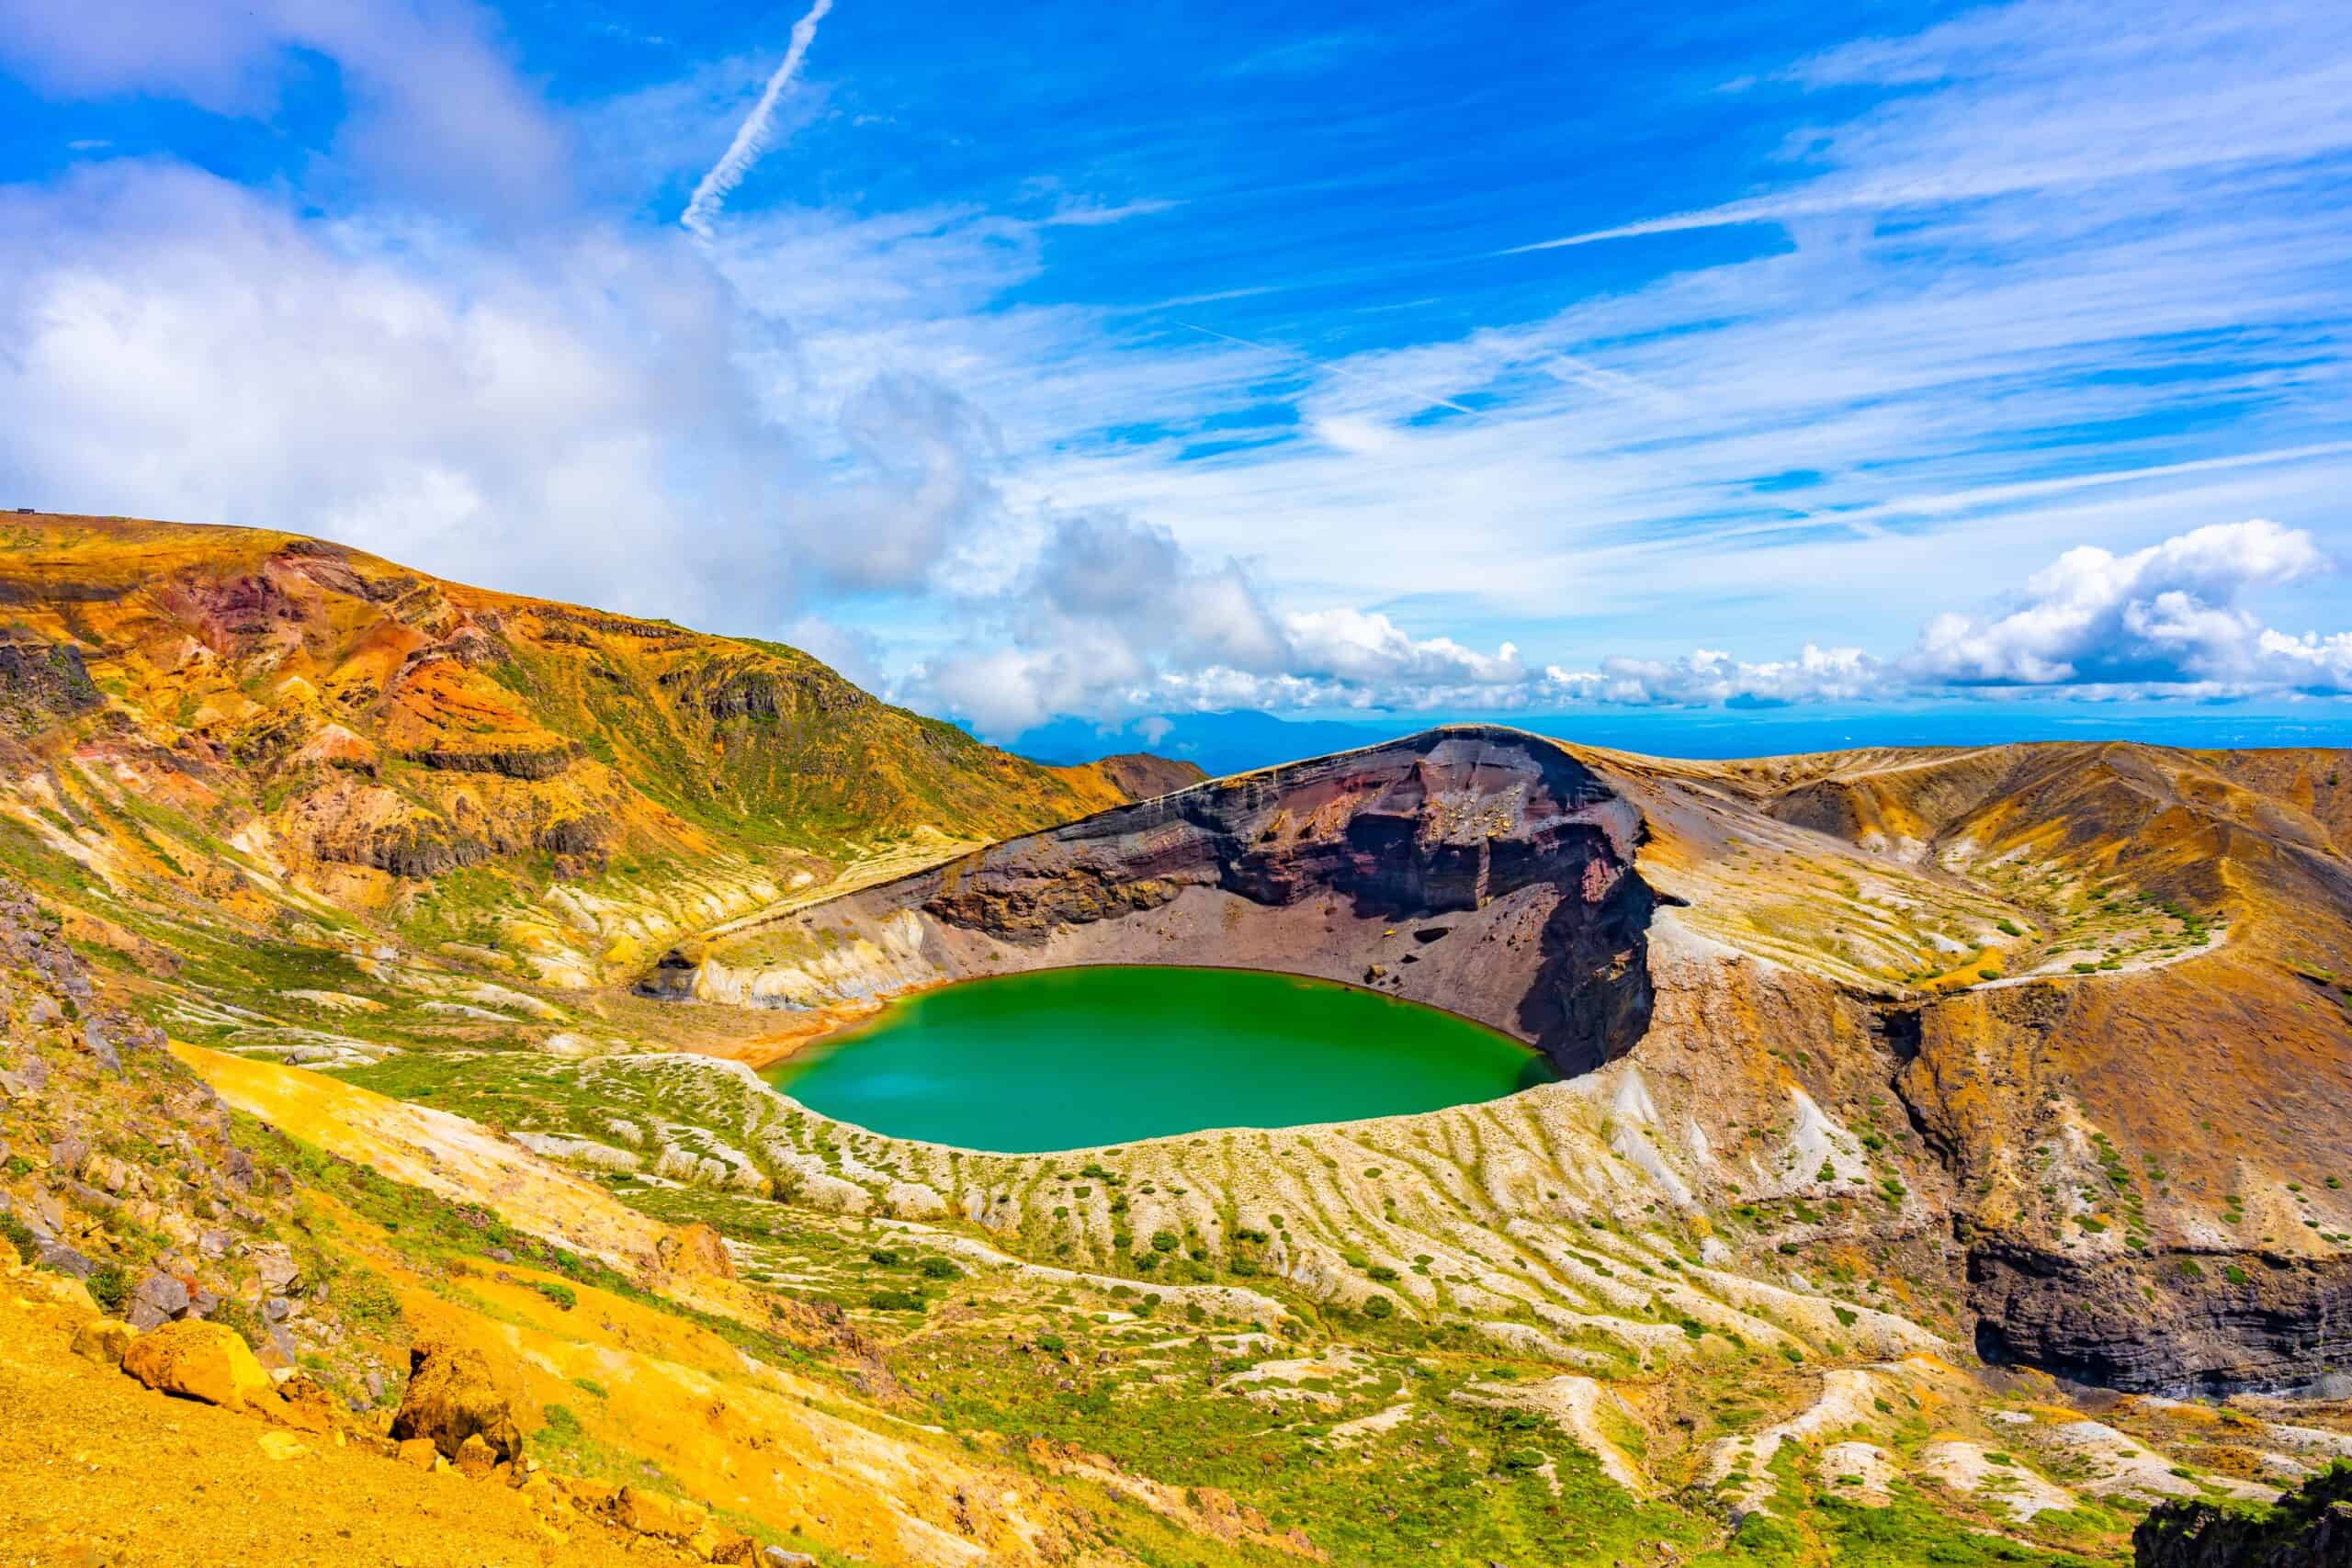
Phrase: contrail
pixel 752 136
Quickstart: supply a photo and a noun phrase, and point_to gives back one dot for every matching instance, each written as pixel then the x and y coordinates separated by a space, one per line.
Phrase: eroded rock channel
pixel 1476 870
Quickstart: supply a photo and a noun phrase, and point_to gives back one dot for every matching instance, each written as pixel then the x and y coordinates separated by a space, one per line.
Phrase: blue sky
pixel 1128 362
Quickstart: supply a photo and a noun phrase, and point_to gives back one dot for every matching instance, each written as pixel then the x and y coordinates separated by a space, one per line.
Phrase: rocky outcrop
pixel 451 1399
pixel 2170 1325
pixel 41 682
pixel 696 1250
pixel 2309 1527
pixel 518 762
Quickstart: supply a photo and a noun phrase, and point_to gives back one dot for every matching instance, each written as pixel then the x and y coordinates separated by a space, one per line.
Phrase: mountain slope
pixel 252 721
pixel 1904 1085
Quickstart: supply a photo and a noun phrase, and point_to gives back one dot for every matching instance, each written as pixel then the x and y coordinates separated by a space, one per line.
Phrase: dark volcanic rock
pixel 41 682
pixel 2309 1527
pixel 2156 1327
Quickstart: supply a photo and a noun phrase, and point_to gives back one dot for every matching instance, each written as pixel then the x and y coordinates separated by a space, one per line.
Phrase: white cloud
pixel 1353 645
pixel 570 417
pixel 434 109
pixel 2166 614
pixel 2165 620
pixel 1993 103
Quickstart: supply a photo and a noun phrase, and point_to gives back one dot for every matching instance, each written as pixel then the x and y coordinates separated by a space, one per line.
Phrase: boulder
pixel 274 1261
pixel 696 1250
pixel 451 1398
pixel 420 1453
pixel 100 1048
pixel 476 1457
pixel 64 1260
pixel 104 1341
pixel 778 1557
pixel 200 1360
pixel 166 1293
pixel 650 1513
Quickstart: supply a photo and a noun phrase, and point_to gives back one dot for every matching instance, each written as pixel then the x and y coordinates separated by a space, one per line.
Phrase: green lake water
pixel 1074 1058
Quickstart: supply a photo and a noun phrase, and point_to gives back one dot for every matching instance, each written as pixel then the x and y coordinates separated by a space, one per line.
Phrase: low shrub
pixel 110 1288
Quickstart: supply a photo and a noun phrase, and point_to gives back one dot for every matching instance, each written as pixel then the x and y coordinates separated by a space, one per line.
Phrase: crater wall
pixel 1483 871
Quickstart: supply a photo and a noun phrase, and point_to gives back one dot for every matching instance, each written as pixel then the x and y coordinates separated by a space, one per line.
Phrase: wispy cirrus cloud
pixel 2020 100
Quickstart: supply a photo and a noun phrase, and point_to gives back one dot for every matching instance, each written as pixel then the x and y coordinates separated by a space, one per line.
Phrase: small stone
pixel 475 1457
pixel 214 1244
pixel 420 1453
pixel 650 1513
pixel 284 1446
pixel 25 1081
pixel 777 1557
pixel 100 1048
pixel 103 1340
pixel 64 1260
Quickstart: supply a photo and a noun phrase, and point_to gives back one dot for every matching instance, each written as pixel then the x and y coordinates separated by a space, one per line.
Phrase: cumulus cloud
pixel 2168 615
pixel 1105 610
pixel 570 415
pixel 2166 620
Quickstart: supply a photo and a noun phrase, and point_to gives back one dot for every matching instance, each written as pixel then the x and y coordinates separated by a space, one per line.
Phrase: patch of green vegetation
pixel 110 1287
pixel 19 1236
pixel 367 1301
